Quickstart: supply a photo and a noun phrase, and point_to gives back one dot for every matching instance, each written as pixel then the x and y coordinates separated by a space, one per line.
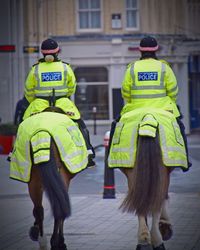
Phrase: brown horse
pixel 54 178
pixel 148 184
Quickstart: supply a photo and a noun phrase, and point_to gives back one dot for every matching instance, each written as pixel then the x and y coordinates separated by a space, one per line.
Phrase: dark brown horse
pixel 54 178
pixel 148 184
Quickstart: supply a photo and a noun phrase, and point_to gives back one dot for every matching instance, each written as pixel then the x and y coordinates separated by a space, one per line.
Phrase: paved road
pixel 97 223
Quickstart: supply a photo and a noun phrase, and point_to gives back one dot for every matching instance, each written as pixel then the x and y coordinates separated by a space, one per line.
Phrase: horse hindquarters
pixel 55 188
pixel 147 181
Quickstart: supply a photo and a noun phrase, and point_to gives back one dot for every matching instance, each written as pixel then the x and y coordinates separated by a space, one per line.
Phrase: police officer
pixel 150 82
pixel 50 73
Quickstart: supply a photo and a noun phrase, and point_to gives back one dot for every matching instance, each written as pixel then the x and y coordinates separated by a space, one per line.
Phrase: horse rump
pixel 147 180
pixel 54 186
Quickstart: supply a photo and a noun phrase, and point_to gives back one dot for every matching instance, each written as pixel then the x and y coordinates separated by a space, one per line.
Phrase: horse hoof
pixel 144 247
pixel 165 230
pixel 161 247
pixel 34 233
pixel 64 247
pixel 42 242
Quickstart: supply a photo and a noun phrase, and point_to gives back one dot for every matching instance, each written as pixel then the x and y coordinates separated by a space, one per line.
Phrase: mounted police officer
pixel 50 73
pixel 150 82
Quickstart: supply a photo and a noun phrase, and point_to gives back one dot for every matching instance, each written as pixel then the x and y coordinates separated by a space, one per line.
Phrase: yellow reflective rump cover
pixel 124 143
pixel 36 132
pixel 64 103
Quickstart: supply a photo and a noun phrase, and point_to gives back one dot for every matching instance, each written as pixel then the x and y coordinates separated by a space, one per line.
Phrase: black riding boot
pixel 112 131
pixel 86 136
pixel 182 129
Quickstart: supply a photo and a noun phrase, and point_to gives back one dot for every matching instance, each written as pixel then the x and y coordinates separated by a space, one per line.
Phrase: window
pixel 89 15
pixel 92 91
pixel 132 14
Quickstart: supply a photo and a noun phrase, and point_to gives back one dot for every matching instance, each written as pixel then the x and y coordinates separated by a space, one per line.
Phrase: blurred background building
pixel 99 38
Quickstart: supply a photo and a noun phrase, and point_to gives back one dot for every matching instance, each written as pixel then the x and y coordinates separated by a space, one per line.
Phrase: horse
pixel 148 175
pixel 148 184
pixel 52 177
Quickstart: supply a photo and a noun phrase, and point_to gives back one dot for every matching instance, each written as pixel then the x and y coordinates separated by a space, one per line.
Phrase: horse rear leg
pixel 36 193
pixel 156 237
pixel 165 225
pixel 144 238
pixel 57 238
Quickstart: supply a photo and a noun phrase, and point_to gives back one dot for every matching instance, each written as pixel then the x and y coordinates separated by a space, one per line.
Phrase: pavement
pixel 97 223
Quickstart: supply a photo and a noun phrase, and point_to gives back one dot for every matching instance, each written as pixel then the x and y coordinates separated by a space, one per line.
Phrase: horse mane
pixel 148 187
pixel 54 109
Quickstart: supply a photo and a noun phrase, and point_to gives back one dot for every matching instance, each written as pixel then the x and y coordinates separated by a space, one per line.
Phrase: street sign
pixel 7 48
pixel 31 49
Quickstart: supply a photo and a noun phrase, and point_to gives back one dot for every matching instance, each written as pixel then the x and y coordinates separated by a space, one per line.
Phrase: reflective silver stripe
pixel 61 87
pixel 147 118
pixel 146 132
pixel 173 90
pixel 21 163
pixel 177 149
pixel 160 86
pixel 29 90
pixel 125 91
pixel 41 140
pixel 29 95
pixel 77 166
pixel 63 93
pixel 147 87
pixel 37 75
pixel 121 150
pixel 39 159
pixel 71 129
pixel 75 153
pixel 65 74
pixel 132 73
pixel 70 87
pixel 149 96
pixel 162 76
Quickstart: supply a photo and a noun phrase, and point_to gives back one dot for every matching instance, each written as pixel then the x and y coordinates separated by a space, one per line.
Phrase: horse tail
pixel 149 179
pixel 54 187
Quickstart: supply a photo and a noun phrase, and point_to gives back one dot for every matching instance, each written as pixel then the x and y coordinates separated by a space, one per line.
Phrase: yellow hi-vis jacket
pixel 150 83
pixel 36 133
pixel 44 76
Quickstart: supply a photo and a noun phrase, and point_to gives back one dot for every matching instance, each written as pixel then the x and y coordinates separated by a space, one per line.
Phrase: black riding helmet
pixel 148 44
pixel 50 50
pixel 49 46
pixel 148 47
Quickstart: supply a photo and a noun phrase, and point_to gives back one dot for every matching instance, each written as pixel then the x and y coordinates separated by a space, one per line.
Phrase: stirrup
pixel 91 162
pixel 9 157
pixel 91 153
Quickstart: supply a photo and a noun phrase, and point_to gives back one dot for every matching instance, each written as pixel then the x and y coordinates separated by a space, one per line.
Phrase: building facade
pixel 99 38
